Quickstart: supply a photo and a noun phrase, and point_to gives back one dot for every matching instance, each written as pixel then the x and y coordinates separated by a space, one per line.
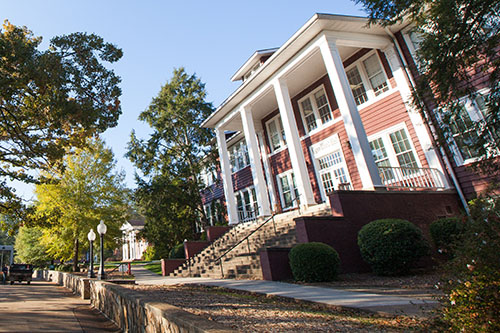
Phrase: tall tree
pixel 88 191
pixel 459 45
pixel 50 100
pixel 171 159
pixel 29 248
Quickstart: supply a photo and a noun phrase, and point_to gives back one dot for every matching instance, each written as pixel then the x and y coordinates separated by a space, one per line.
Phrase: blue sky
pixel 209 38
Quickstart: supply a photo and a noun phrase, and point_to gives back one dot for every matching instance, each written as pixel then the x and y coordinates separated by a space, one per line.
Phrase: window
pixel 464 128
pixel 238 156
pixel 315 109
pixel 288 190
pixel 276 134
pixel 246 203
pixel 333 172
pixel 214 212
pixel 208 176
pixel 367 79
pixel 393 149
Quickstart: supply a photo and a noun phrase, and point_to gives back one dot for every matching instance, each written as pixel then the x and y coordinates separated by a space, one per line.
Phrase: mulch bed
pixel 250 312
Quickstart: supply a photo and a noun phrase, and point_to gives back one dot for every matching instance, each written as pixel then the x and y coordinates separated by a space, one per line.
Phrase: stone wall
pixel 130 310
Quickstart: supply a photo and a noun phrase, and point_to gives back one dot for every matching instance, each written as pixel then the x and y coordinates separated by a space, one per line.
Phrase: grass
pixel 154 267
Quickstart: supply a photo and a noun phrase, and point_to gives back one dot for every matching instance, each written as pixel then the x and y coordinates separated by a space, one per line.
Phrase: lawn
pixel 154 267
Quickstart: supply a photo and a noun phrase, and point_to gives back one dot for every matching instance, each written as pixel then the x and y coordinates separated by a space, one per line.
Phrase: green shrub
pixel 64 268
pixel 391 246
pixel 177 252
pixel 314 262
pixel 472 283
pixel 150 254
pixel 445 232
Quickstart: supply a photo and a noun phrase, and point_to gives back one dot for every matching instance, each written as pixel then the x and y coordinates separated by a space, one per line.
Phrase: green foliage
pixel 391 246
pixel 472 285
pixel 64 268
pixel 314 262
pixel 168 195
pixel 88 191
pixel 150 254
pixel 29 248
pixel 6 239
pixel 50 101
pixel 177 252
pixel 459 42
pixel 445 232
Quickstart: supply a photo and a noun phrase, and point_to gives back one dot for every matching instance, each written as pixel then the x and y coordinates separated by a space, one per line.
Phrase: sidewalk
pixel 384 304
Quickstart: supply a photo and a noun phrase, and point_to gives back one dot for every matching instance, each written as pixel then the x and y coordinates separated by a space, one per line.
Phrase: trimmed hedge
pixel 177 252
pixel 314 262
pixel 391 246
pixel 445 232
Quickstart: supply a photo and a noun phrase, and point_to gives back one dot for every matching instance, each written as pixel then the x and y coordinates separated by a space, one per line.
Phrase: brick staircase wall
pixel 243 261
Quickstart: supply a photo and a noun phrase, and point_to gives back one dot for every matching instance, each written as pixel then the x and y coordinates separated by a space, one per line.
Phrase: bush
pixel 391 246
pixel 64 268
pixel 150 254
pixel 445 232
pixel 472 284
pixel 314 262
pixel 177 252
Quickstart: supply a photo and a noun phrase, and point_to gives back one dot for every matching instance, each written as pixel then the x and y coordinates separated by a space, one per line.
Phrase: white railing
pixel 411 178
pixel 248 215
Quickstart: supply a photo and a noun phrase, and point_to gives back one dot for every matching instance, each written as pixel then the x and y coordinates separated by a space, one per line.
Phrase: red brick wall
pixel 242 178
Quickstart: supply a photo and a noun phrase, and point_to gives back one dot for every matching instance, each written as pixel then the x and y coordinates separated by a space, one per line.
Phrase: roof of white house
pixel 316 24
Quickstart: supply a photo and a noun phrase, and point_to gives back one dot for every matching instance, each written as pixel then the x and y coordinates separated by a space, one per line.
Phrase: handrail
pixel 243 239
pixel 409 177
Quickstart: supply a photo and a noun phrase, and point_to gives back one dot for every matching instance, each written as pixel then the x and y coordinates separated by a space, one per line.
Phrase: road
pixel 46 307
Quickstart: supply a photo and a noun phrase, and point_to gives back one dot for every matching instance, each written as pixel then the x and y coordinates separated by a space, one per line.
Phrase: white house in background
pixel 133 246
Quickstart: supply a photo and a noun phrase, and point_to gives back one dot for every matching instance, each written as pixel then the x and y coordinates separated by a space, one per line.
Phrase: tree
pixel 168 194
pixel 50 100
pixel 459 44
pixel 29 248
pixel 88 191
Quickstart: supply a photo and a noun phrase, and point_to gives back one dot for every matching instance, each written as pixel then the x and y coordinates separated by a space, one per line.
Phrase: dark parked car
pixel 20 272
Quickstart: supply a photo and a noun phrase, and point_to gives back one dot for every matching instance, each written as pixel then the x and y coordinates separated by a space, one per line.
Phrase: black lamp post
pixel 101 229
pixel 91 237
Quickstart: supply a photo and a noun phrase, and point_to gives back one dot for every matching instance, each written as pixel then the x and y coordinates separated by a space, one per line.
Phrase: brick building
pixel 330 110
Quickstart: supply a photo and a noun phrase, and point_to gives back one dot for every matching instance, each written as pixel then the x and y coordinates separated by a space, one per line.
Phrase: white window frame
pixel 370 94
pixel 252 195
pixel 208 176
pixel 282 139
pixel 330 146
pixel 239 148
pixel 389 148
pixel 475 116
pixel 319 123
pixel 290 176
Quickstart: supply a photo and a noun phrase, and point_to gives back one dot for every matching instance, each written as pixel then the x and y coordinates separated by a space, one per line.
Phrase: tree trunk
pixel 75 259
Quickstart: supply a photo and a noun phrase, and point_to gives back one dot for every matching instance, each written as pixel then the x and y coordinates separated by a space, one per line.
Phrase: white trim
pixel 391 154
pixel 287 174
pixel 227 180
pixel 320 125
pixel 283 144
pixel 321 149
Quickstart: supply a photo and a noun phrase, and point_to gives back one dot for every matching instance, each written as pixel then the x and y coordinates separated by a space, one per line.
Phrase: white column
pixel 259 181
pixel 423 136
pixel 293 143
pixel 227 181
pixel 352 121
pixel 267 169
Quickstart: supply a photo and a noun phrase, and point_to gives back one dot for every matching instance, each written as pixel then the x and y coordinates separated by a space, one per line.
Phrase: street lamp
pixel 101 229
pixel 91 237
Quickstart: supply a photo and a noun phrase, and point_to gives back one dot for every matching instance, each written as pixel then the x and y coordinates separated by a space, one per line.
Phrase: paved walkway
pixel 45 307
pixel 389 304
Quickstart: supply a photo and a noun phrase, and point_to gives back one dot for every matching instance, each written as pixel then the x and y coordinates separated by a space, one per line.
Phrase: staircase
pixel 243 261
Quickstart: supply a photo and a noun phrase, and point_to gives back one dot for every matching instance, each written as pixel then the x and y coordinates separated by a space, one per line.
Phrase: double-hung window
pixel 464 128
pixel 394 149
pixel 288 190
pixel 238 156
pixel 275 133
pixel 315 109
pixel 367 79
pixel 246 203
